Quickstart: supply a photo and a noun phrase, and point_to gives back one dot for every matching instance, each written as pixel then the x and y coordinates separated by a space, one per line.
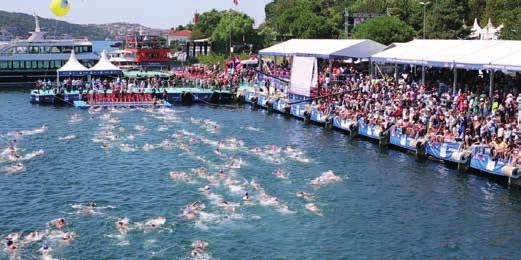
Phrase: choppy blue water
pixel 387 205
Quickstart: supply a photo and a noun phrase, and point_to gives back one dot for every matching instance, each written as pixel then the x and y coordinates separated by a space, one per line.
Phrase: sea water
pixel 384 204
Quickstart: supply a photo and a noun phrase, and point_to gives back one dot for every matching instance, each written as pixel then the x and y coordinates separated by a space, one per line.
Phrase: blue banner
pixel 482 160
pixel 443 151
pixel 398 139
pixel 368 131
pixel 317 116
pixel 298 110
pixel 342 124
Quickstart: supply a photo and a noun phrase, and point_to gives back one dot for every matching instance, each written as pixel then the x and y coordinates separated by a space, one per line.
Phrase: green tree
pixel 207 23
pixel 385 30
pixel 445 20
pixel 236 24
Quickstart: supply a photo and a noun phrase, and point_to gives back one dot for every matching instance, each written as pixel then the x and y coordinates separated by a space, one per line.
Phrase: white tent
pixel 325 49
pixel 73 67
pixel 464 54
pixel 104 66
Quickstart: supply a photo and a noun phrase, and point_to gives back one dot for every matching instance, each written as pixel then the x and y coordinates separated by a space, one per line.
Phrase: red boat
pixel 148 52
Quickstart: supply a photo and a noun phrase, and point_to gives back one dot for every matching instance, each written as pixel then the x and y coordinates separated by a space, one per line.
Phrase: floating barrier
pixel 401 140
pixel 172 95
pixel 482 160
pixel 448 151
pixel 84 105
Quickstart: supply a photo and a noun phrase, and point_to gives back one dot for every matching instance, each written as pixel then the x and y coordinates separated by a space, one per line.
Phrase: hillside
pixel 14 25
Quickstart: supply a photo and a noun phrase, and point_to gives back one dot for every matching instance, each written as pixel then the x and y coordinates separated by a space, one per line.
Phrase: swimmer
pixel 59 223
pixel 90 208
pixel 10 246
pixel 122 225
pixel 256 186
pixel 155 222
pixel 326 178
pixel 207 189
pixel 246 197
pixel 198 247
pixel 33 237
pixel 304 195
pixel 45 250
pixel 313 208
pixel 280 174
pixel 67 238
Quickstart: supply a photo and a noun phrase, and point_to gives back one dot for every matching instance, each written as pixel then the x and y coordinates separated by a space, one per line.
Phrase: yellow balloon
pixel 60 7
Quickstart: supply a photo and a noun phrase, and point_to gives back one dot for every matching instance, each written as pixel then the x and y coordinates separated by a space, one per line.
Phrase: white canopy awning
pixel 104 66
pixel 325 49
pixel 73 67
pixel 465 54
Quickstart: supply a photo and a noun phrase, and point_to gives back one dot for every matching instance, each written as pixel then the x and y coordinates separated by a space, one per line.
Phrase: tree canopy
pixel 385 29
pixel 402 21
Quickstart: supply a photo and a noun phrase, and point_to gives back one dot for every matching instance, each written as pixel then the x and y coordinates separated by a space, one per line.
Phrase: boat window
pixel 66 49
pixel 46 64
pixel 4 64
pixel 21 49
pixel 55 49
pixel 34 64
pixel 41 65
pixel 28 65
pixel 16 64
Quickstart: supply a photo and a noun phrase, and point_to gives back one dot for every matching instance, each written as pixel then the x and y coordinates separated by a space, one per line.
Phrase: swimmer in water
pixel 33 237
pixel 246 197
pixel 155 222
pixel 59 223
pixel 10 246
pixel 313 208
pixel 306 196
pixel 45 250
pixel 122 225
pixel 198 247
pixel 67 238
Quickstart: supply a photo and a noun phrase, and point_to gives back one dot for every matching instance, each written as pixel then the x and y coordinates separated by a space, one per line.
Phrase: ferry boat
pixel 26 61
pixel 124 59
pixel 142 52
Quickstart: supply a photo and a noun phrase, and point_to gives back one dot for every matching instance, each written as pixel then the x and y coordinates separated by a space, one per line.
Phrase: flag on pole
pixel 236 2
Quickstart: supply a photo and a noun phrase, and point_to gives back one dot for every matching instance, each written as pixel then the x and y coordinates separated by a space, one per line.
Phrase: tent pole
pixel 370 68
pixel 491 86
pixel 455 83
pixel 396 74
pixel 330 72
pixel 423 75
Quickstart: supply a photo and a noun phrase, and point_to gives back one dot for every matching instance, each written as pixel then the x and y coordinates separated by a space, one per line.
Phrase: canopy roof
pixel 104 66
pixel 465 54
pixel 325 49
pixel 73 67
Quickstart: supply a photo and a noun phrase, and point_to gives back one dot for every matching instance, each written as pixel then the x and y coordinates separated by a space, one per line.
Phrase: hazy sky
pixel 154 13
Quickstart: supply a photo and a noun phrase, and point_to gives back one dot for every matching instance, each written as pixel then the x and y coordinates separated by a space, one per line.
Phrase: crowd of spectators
pixel 431 113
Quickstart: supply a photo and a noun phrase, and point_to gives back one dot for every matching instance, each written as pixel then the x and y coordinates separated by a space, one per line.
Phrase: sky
pixel 162 14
